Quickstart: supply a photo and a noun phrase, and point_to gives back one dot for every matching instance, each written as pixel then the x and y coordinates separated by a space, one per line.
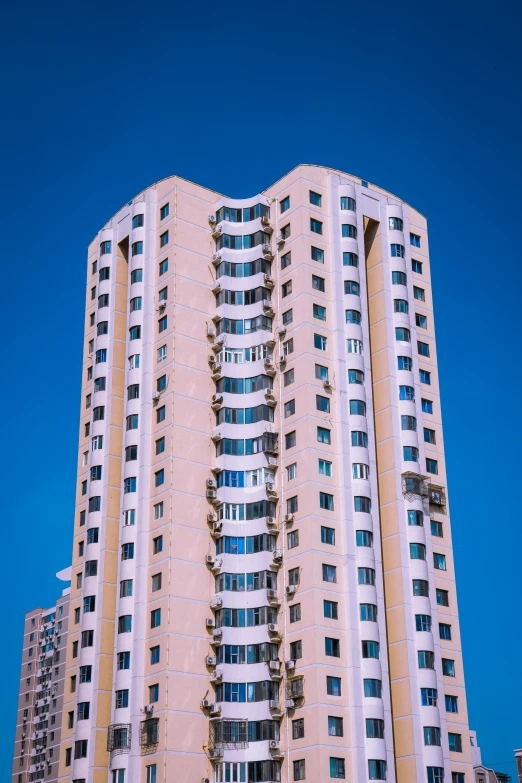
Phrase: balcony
pixel 119 738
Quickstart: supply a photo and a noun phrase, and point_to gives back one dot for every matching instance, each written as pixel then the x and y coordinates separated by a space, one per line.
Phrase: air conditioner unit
pixel 217 258
pixel 290 704
pixel 267 252
pixel 216 370
pixel 269 394
pixel 216 601
pixel 274 666
pixel 148 709
pixel 280 239
pixel 217 675
pixel 268 281
pixel 281 331
pixel 282 359
pixel 205 780
pixel 211 494
pixel 270 522
pixel 265 220
pixel 215 709
pixel 290 665
pixel 210 622
pixel 210 660
pixel 273 704
pixel 271 594
pixel 327 384
pixel 211 218
pixel 274 744
pixel 211 332
pixel 272 628
pixel 156 395
pixel 217 633
pixel 216 529
pixel 210 560
pixel 270 487
pixel 291 589
pixel 206 704
pixel 162 304
pixel 221 340
pixel 289 518
pixel 211 484
pixel 272 461
pixel 217 231
pixel 216 288
pixel 215 753
pixel 278 554
pixel 217 400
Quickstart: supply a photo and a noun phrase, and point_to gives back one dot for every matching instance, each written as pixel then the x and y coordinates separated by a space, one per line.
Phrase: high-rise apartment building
pixel 262 582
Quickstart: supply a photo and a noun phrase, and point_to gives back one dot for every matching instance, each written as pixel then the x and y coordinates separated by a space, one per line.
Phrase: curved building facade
pixel 262 583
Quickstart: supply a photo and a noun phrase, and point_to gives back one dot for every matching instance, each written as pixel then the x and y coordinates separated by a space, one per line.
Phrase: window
pixel 395 223
pixel 292 539
pixel 330 610
pixel 329 573
pixel 350 287
pixel 348 230
pixel 160 414
pixel 429 697
pixel 154 654
pixel 155 618
pixel 157 545
pixel 418 293
pixel 397 251
pixel 364 537
pixel 420 587
pixel 286 260
pixel 422 622
pixel 333 686
pixel 439 561
pixel 415 240
pixel 296 650
pixel 164 211
pixel 415 518
pixel 299 769
pixel 318 283
pixel 332 647
pixel 455 745
pixel 445 631
pixel 156 583
pixel 316 226
pixel 426 659
pixel 162 353
pixel 159 478
pixel 406 393
pixel 451 703
pixel 325 467
pixel 288 317
pixel 425 377
pixel 164 238
pixel 409 423
pixel 316 199
pixel 328 535
pixel 298 728
pixel 127 551
pixel 291 472
pixel 92 535
pixel 290 440
pixel 162 324
pixel 335 726
pixel 295 613
pixel 160 445
pixel 432 466
pixel 137 248
pixel 399 278
pixel 431 735
pixel 129 485
pixel 103 300
pixel 319 343
pixel 410 453
pixel 105 247
pixel 436 529
pixel 321 403
pixel 288 377
pixel 292 505
pixel 362 504
pixel 416 266
pixel 357 408
pixel 163 266
pixel 375 728
pixel 336 767
pixel 421 321
pixel 284 204
pixel 150 773
pixel 348 203
pixel 355 376
pixel 423 349
pixel 318 255
pixel 129 516
pixel 319 312
pixel 370 649
pixel 136 276
pixel 286 288
pixel 135 333
pixel 376 769
pixel 400 306
pixel 288 347
pixel 80 746
pixel 368 612
pixel 323 435
pixel 353 317
pixel 427 406
pixel 417 552
pixel 372 689
pixel 402 335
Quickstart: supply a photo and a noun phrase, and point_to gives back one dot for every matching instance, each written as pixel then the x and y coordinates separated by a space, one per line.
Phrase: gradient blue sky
pixel 101 99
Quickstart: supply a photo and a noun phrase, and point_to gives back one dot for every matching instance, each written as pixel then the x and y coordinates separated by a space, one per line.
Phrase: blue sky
pixel 101 99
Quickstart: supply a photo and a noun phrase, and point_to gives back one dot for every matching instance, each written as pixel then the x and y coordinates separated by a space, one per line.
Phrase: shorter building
pixel 483 774
pixel 40 700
